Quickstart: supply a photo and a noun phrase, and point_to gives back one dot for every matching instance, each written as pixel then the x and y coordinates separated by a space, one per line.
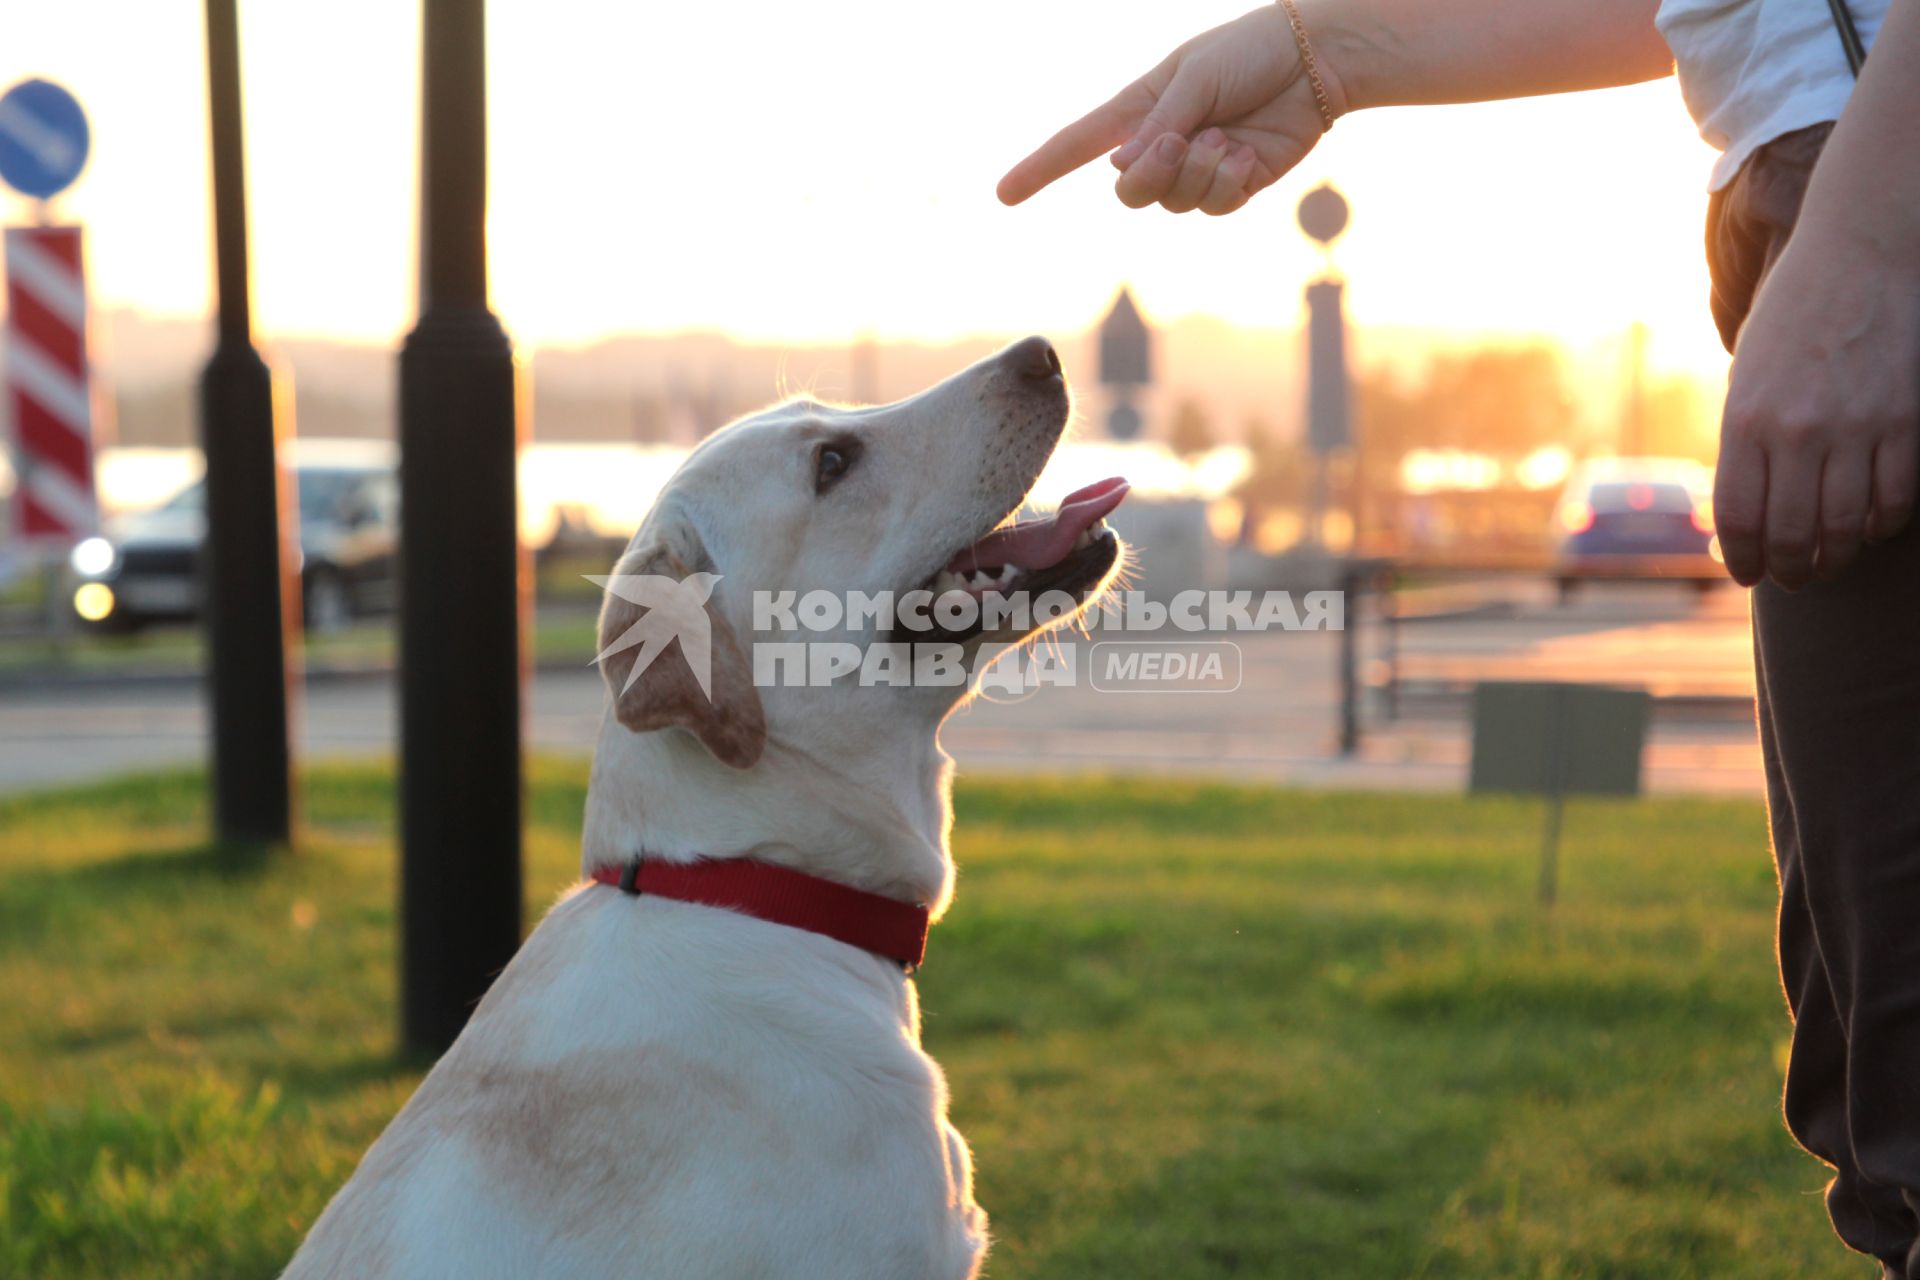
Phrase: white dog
pixel 662 1087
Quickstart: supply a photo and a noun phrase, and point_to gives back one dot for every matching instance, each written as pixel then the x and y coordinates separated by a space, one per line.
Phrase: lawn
pixel 1191 1030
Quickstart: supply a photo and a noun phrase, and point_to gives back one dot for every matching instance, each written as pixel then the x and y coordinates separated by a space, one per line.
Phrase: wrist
pixel 1858 233
pixel 1337 51
pixel 1860 212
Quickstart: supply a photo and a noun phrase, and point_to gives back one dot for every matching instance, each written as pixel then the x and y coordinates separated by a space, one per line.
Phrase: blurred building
pixel 1126 365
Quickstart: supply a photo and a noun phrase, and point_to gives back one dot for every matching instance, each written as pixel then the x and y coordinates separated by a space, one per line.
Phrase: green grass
pixel 1191 1031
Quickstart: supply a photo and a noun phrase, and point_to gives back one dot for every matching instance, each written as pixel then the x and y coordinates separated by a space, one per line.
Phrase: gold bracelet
pixel 1307 61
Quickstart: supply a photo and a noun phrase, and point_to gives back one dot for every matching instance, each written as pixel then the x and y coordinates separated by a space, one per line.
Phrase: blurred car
pixel 146 568
pixel 1637 518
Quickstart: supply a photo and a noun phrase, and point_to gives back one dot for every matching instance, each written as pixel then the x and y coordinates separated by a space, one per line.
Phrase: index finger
pixel 1088 138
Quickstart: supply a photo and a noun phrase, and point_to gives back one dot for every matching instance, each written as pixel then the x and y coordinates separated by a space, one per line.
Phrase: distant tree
pixel 649 415
pixel 1490 400
pixel 1192 430
pixel 166 414
pixel 1680 419
pixel 1280 469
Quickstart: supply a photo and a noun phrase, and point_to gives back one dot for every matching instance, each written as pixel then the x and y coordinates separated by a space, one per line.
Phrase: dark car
pixel 147 569
pixel 1638 518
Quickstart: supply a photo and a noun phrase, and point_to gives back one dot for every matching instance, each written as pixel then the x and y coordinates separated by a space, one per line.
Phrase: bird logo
pixel 674 609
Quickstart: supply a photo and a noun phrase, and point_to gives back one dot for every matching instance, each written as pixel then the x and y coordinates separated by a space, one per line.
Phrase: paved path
pixel 1279 725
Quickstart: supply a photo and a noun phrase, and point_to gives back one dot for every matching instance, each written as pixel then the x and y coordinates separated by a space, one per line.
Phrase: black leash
pixel 1849 35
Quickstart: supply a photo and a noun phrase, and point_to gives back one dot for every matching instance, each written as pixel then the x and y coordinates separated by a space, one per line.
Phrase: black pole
pixel 1351 586
pixel 461 604
pixel 247 598
pixel 1390 635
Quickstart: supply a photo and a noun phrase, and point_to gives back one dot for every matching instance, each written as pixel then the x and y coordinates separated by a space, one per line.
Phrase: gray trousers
pixel 1839 708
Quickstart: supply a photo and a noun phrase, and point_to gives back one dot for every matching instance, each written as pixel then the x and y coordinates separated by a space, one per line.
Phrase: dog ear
pixel 670 658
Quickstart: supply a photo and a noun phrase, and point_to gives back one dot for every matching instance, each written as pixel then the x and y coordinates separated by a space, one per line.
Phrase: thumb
pixel 1181 109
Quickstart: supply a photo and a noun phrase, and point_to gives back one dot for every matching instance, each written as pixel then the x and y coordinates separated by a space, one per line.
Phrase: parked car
pixel 146 568
pixel 1637 518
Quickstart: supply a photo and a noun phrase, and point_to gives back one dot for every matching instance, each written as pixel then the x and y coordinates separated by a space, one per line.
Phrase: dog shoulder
pixel 603 1096
pixel 568 1102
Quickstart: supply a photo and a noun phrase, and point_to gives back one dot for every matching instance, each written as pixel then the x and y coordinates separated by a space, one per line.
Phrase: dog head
pixel 879 526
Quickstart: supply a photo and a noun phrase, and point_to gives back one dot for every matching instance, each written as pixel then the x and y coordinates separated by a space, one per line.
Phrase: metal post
pixel 461 568
pixel 249 602
pixel 1315 538
pixel 1350 590
pixel 1557 748
pixel 1550 848
pixel 1329 415
pixel 1390 608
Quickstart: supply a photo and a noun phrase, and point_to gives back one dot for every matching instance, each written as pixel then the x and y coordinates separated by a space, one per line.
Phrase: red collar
pixel 870 921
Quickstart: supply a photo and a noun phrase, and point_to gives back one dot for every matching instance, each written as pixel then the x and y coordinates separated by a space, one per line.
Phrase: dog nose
pixel 1033 359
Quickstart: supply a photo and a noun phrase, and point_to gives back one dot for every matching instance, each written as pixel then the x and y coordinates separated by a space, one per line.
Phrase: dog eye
pixel 831 462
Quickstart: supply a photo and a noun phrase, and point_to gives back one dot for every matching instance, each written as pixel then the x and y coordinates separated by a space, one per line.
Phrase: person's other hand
pixel 1226 114
pixel 1820 443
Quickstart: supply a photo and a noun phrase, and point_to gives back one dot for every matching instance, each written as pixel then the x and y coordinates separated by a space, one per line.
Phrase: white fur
pixel 659 1089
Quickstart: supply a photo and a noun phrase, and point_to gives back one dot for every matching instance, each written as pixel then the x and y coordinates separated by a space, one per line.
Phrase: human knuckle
pixel 1742 418
pixel 1794 429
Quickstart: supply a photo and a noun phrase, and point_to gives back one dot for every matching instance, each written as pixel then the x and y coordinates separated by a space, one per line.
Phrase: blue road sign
pixel 43 138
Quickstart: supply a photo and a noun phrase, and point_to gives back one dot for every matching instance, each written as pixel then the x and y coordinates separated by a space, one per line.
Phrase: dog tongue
pixel 1045 542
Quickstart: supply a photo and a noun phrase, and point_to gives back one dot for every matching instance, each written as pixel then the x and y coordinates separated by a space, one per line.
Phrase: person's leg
pixel 1868 1216
pixel 1841 668
pixel 1838 669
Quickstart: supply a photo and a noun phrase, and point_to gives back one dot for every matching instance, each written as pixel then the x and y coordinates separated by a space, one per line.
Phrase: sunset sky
pixel 807 172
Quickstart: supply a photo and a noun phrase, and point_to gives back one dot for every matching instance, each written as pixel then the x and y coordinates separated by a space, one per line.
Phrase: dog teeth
pixel 974 581
pixel 1089 534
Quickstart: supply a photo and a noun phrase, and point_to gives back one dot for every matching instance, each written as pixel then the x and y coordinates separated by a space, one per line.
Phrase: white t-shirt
pixel 1752 70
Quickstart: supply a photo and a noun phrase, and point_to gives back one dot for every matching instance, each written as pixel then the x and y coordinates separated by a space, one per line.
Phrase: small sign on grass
pixel 1556 739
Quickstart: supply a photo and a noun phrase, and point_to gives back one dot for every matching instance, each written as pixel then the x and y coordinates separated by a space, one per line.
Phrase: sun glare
pixel 808 174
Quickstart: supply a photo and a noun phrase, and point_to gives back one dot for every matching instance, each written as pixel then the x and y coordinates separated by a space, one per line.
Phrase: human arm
pixel 1820 442
pixel 1229 112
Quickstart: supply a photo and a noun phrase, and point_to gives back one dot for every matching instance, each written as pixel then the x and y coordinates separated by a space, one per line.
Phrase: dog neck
pixel 872 814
